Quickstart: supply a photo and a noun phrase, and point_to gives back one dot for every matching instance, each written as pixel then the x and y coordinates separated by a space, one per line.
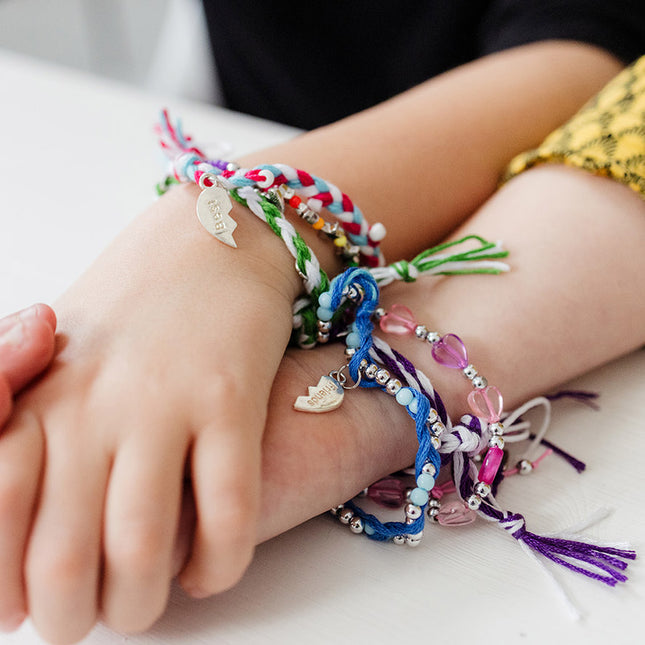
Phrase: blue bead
pixel 425 481
pixel 353 339
pixel 404 396
pixel 419 497
pixel 368 529
pixel 325 300
pixel 413 406
pixel 324 314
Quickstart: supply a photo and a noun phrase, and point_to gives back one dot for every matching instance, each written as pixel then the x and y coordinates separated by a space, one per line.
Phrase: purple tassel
pixel 562 551
pixel 583 396
pixel 558 550
pixel 576 463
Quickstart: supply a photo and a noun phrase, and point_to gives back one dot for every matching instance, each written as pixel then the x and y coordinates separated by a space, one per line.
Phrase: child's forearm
pixel 424 161
pixel 568 305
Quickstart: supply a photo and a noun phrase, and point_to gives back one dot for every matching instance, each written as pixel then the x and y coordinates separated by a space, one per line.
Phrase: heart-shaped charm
pixel 487 403
pixel 450 351
pixel 327 395
pixel 455 513
pixel 398 320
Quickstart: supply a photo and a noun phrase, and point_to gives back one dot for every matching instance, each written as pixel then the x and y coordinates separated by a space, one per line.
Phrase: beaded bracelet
pixel 358 287
pixel 458 444
pixel 484 400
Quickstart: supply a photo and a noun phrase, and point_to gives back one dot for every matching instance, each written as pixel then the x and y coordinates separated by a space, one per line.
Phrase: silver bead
pixel 429 469
pixel 350 351
pixel 436 442
pixel 433 337
pixel 354 292
pixel 398 539
pixel 496 429
pixel 413 511
pixel 413 540
pixel 382 376
pixel 379 312
pixel 287 192
pixel 370 371
pixel 336 509
pixel 346 515
pixel 432 416
pixel 302 208
pixel 322 338
pixel 496 441
pixel 482 489
pixel 324 325
pixel 393 386
pixel 363 364
pixel 474 502
pixel 434 503
pixel 470 372
pixel 438 428
pixel 479 382
pixel 421 331
pixel 524 467
pixel 356 525
pixel 433 513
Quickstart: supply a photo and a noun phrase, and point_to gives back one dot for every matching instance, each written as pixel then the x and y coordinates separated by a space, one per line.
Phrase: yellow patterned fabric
pixel 607 136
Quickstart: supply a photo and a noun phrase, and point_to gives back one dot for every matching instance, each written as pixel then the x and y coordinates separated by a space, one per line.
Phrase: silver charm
pixel 213 208
pixel 324 397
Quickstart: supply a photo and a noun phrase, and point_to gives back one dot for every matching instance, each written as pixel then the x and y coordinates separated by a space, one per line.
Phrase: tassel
pixel 565 552
pixel 481 259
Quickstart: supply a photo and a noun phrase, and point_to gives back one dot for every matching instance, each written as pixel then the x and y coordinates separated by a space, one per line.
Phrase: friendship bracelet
pixel 359 288
pixel 213 205
pixel 457 444
pixel 484 400
pixel 364 240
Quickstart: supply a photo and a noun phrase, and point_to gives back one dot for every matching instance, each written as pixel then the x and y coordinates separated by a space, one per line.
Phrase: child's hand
pixel 168 349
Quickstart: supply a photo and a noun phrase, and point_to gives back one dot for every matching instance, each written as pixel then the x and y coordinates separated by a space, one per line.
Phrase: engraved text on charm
pixel 213 208
pixel 327 395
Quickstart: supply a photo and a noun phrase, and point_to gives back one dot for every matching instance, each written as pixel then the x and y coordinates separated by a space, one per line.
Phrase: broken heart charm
pixel 324 397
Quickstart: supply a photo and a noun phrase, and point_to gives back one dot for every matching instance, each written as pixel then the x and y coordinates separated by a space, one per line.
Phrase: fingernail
pixel 14 336
pixel 12 623
pixel 30 312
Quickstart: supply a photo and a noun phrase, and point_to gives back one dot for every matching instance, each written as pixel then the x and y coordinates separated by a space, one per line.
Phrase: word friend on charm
pixel 324 397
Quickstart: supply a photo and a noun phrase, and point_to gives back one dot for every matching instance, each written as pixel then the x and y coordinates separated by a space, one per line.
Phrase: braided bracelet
pixel 359 288
pixel 363 243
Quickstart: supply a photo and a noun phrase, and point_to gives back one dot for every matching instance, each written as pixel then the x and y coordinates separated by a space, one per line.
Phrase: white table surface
pixel 77 161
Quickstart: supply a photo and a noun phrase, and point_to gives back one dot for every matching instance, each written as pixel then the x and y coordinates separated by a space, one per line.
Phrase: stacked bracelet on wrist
pixel 346 307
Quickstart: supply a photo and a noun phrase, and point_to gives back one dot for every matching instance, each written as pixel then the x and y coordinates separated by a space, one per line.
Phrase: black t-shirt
pixel 308 64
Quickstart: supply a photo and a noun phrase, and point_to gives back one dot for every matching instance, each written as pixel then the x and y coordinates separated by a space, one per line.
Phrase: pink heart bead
pixel 487 403
pixel 450 351
pixel 455 514
pixel 399 320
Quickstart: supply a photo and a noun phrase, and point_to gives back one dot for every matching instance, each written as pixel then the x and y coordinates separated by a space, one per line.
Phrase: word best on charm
pixel 324 397
pixel 213 208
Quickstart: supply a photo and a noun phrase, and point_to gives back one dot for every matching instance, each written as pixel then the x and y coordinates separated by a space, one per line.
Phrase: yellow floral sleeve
pixel 606 137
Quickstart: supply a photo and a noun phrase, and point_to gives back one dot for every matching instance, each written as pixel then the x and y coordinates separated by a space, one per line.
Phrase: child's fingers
pixel 26 344
pixel 141 519
pixel 226 473
pixel 21 453
pixel 63 558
